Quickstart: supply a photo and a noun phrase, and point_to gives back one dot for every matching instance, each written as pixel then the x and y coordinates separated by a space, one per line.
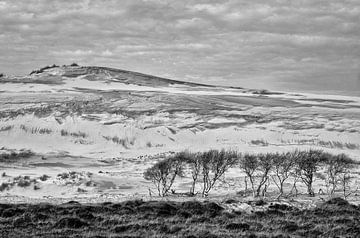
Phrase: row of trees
pixel 208 168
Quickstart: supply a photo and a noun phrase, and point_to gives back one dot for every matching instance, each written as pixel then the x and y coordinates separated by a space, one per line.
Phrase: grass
pixel 125 142
pixel 35 130
pixel 334 218
pixel 78 134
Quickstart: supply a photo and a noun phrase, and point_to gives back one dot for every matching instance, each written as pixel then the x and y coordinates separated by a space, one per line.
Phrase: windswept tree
pixel 337 168
pixel 283 165
pixel 308 163
pixel 264 167
pixel 193 163
pixel 249 164
pixel 214 164
pixel 163 174
pixel 257 168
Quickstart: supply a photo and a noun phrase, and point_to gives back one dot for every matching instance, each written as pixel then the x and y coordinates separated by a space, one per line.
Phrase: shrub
pixel 44 177
pixel 4 186
pixel 23 183
pixel 74 64
pixel 71 222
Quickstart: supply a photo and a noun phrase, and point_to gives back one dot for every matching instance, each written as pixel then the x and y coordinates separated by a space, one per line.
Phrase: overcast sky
pixel 281 44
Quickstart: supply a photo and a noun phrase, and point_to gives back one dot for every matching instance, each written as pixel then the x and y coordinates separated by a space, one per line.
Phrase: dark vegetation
pixel 20 181
pixel 14 156
pixel 334 218
pixel 260 170
pixel 73 134
pixel 35 130
pixel 41 70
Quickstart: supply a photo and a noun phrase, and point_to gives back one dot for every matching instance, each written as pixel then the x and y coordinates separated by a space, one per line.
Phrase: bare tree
pixel 195 166
pixel 257 168
pixel 163 174
pixel 308 163
pixel 264 166
pixel 249 163
pixel 214 164
pixel 283 165
pixel 337 168
pixel 193 161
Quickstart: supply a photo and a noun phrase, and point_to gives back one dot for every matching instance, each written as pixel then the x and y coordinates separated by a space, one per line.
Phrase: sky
pixel 294 45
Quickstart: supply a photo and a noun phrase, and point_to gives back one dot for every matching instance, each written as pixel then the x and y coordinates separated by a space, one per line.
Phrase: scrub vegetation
pixel 261 171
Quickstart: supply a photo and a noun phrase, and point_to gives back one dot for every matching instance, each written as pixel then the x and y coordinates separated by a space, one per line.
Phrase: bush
pixel 74 64
pixel 44 177
pixel 23 183
pixel 71 222
pixel 4 186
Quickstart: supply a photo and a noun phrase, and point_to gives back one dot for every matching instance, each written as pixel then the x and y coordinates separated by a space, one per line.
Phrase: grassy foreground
pixel 334 218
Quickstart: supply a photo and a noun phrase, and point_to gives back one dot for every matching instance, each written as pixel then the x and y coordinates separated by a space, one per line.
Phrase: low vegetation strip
pixel 137 218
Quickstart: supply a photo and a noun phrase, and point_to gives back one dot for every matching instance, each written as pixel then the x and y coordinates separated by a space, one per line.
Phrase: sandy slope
pixel 90 119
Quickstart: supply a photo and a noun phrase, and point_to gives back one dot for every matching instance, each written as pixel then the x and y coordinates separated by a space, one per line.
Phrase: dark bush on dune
pixel 44 177
pixel 4 186
pixel 213 209
pixel 194 207
pixel 71 222
pixel 84 213
pixel 23 221
pixel 41 70
pixel 11 212
pixel 238 226
pixel 337 201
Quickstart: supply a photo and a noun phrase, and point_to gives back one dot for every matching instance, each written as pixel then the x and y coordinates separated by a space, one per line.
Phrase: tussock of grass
pixel 125 142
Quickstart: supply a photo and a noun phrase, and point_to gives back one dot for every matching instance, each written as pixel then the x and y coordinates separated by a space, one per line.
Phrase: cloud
pixel 270 44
